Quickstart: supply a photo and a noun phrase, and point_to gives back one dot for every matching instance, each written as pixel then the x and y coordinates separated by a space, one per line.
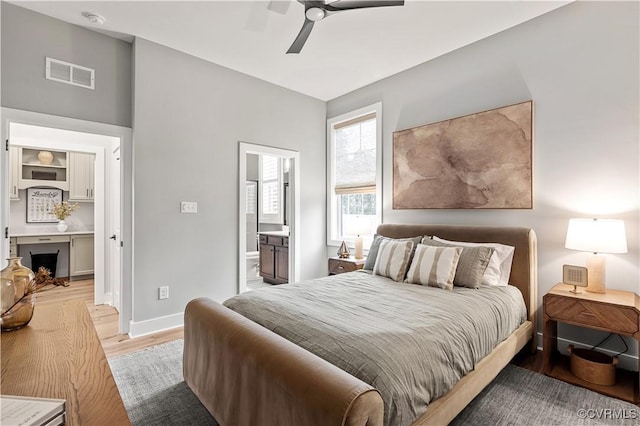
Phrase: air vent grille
pixel 65 72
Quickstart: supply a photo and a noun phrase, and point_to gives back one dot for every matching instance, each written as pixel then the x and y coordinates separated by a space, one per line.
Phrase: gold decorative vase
pixel 18 297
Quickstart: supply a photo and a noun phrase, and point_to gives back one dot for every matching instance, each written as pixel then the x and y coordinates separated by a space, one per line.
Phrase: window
pixel 354 183
pixel 270 184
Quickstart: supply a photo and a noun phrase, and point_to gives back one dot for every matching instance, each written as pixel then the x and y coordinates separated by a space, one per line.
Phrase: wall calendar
pixel 40 202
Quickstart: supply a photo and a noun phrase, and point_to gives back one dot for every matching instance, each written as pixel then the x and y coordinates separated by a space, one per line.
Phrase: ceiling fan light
pixel 94 18
pixel 314 14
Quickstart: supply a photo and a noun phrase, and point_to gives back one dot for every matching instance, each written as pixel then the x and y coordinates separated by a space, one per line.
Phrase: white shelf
pixel 47 166
pixel 29 164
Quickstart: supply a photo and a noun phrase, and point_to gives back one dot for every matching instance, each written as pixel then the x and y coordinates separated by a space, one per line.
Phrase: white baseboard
pixel 141 328
pixel 625 361
pixel 104 299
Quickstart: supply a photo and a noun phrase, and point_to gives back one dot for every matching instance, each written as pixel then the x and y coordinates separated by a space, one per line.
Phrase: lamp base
pixel 595 274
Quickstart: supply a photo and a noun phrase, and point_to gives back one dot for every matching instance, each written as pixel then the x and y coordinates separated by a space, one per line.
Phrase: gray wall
pixel 579 64
pixel 189 116
pixel 29 37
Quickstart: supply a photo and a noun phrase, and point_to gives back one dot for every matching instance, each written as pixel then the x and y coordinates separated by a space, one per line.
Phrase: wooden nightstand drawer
pixel 339 266
pixel 591 314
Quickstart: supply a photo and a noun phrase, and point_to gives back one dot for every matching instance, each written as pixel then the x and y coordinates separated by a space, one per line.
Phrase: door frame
pixel 245 148
pixel 8 116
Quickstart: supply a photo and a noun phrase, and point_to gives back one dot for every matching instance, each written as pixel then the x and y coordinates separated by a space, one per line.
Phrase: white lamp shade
pixel 596 235
pixel 357 225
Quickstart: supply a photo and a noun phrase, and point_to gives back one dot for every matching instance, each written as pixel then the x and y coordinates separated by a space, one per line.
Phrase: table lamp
pixel 596 236
pixel 359 226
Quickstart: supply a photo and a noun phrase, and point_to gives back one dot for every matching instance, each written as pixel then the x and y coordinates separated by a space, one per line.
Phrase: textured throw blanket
pixel 411 342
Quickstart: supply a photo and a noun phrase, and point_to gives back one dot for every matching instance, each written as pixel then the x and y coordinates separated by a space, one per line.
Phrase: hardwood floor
pixel 105 319
pixel 530 361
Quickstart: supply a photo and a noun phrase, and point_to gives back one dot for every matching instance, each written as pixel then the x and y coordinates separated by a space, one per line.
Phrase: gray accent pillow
pixel 375 245
pixel 471 265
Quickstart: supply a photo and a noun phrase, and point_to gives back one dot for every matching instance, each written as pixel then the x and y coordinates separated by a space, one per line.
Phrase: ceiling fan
pixel 317 10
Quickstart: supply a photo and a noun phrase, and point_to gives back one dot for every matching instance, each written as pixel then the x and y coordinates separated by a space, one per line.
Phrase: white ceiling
pixel 344 52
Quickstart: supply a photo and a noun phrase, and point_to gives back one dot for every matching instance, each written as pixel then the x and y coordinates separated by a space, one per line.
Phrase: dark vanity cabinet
pixel 274 258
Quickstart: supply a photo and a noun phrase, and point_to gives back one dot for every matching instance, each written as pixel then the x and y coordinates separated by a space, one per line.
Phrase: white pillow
pixel 499 268
pixel 393 259
pixel 434 266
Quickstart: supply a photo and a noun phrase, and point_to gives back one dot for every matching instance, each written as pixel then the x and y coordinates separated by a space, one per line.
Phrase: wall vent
pixel 64 72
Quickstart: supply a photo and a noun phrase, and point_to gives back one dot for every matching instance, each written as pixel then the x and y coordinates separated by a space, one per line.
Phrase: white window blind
pixel 355 155
pixel 354 184
pixel 270 189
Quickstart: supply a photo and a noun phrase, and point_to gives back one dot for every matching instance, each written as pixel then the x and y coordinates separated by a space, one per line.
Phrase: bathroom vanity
pixel 274 257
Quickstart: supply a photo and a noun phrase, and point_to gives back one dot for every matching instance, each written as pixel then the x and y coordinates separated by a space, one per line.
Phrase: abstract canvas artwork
pixel 479 161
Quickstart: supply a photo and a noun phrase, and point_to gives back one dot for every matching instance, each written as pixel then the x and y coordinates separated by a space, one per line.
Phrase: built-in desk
pixel 81 252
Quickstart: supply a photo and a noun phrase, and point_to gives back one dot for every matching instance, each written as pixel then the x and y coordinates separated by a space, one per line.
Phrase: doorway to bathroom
pixel 268 206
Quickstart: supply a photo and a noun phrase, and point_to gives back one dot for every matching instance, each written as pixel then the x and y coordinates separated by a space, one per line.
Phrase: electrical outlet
pixel 188 207
pixel 163 292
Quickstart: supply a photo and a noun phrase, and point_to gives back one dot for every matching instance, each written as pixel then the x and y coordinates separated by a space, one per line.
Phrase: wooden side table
pixel 58 355
pixel 339 266
pixel 615 311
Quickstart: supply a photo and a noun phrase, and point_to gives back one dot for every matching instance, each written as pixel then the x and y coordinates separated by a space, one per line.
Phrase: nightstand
pixel 350 264
pixel 615 311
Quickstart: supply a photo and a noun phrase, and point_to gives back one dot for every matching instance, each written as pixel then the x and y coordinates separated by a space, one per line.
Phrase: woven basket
pixel 593 366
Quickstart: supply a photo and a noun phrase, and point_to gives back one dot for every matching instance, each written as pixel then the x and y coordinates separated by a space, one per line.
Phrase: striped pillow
pixel 471 265
pixel 393 259
pixel 434 266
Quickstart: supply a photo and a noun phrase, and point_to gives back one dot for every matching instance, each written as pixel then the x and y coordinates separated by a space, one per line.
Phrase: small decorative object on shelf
pixel 62 211
pixel 19 288
pixel 45 157
pixel 343 251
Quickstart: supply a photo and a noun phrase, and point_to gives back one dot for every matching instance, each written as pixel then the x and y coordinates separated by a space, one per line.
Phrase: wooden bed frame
pixel 245 374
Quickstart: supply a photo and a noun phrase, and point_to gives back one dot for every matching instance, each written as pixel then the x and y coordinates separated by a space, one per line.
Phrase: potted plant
pixel 62 211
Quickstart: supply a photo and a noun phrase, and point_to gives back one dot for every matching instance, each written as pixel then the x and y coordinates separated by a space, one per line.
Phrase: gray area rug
pixel 154 393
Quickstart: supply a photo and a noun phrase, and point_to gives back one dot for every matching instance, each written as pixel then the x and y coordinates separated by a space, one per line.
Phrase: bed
pixel 244 373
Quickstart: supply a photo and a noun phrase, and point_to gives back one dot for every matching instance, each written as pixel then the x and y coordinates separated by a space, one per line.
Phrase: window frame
pixel 333 215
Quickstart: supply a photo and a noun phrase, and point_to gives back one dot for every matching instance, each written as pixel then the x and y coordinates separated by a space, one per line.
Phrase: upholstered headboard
pixel 524 269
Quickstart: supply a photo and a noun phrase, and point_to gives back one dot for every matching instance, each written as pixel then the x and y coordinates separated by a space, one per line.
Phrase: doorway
pixel 282 222
pixel 39 131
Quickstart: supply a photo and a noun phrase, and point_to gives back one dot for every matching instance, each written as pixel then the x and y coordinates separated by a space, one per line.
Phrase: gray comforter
pixel 411 342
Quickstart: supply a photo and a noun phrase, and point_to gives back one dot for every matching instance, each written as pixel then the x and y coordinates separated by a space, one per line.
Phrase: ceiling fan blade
pixel 302 37
pixel 361 4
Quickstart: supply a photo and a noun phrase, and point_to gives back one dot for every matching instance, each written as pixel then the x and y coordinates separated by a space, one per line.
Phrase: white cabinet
pixel 37 169
pixel 14 172
pixel 13 247
pixel 81 255
pixel 81 176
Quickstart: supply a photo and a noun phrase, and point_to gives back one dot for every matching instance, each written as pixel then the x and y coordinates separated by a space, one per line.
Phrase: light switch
pixel 188 207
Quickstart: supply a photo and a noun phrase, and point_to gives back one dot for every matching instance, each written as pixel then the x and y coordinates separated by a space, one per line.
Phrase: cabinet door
pixel 267 261
pixel 282 264
pixel 81 170
pixel 91 158
pixel 14 172
pixel 81 255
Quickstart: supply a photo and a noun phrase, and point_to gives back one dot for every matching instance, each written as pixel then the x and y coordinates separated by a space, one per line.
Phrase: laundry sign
pixel 40 202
